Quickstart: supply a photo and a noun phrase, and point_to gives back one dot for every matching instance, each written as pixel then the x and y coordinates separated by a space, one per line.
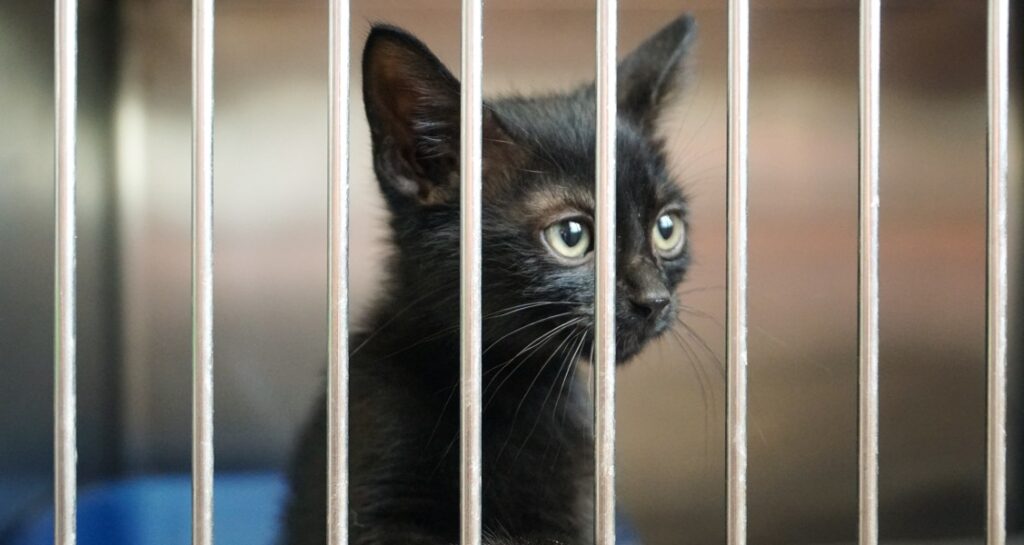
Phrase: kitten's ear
pixel 653 71
pixel 413 107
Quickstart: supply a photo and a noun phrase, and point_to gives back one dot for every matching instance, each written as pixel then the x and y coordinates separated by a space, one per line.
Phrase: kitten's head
pixel 538 195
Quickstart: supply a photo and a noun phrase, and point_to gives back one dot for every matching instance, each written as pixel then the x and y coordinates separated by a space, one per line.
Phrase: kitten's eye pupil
pixel 665 226
pixel 571 233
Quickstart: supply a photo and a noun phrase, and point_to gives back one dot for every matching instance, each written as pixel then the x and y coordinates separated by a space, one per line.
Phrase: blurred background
pixel 270 235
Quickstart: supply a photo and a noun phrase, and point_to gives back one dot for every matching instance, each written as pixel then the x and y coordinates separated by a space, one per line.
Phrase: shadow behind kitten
pixel 538 279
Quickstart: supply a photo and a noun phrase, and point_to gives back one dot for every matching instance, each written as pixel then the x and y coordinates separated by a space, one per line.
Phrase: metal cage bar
pixel 470 277
pixel 338 249
pixel 867 277
pixel 604 313
pixel 996 285
pixel 736 272
pixel 202 272
pixel 65 452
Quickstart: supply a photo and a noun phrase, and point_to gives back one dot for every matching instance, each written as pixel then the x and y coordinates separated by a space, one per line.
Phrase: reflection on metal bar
pixel 998 92
pixel 202 272
pixel 64 433
pixel 337 319
pixel 867 278
pixel 470 176
pixel 604 314
pixel 736 283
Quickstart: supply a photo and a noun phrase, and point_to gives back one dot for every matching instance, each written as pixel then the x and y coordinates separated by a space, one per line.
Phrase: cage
pixel 270 238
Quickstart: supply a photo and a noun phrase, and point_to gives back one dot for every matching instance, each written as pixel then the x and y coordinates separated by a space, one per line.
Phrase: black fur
pixel 538 168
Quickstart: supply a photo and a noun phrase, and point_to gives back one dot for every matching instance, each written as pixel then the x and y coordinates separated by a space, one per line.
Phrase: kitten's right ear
pixel 412 105
pixel 654 71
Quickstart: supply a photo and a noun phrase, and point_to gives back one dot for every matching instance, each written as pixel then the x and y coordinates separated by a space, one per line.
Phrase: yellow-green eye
pixel 668 234
pixel 568 239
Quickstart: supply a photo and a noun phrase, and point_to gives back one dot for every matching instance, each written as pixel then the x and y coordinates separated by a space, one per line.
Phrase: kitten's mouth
pixel 630 341
pixel 625 349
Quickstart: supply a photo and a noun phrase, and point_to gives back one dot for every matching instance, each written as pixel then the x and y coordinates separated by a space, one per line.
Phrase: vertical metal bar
pixel 867 278
pixel 998 92
pixel 337 320
pixel 736 282
pixel 202 272
pixel 64 432
pixel 470 175
pixel 604 315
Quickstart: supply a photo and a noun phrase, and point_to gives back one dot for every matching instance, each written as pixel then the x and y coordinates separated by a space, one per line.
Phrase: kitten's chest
pixel 538 465
pixel 537 447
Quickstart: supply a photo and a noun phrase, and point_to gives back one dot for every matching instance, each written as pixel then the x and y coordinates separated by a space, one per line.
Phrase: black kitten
pixel 538 274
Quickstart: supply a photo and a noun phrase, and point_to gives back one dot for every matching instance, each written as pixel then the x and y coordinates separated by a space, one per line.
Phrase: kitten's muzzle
pixel 650 306
pixel 646 291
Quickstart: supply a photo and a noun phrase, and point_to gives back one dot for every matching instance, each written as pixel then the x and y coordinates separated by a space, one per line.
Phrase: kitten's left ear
pixel 653 71
pixel 413 108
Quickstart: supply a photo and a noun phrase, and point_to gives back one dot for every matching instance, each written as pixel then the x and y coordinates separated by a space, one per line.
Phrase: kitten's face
pixel 539 226
pixel 538 196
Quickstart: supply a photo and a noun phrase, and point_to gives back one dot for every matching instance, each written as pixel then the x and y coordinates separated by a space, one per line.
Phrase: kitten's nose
pixel 650 304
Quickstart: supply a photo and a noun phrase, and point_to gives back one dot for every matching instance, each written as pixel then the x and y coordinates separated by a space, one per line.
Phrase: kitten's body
pixel 537 436
pixel 405 454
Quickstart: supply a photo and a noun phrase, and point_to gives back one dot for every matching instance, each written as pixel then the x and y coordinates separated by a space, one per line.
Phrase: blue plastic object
pixel 157 511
